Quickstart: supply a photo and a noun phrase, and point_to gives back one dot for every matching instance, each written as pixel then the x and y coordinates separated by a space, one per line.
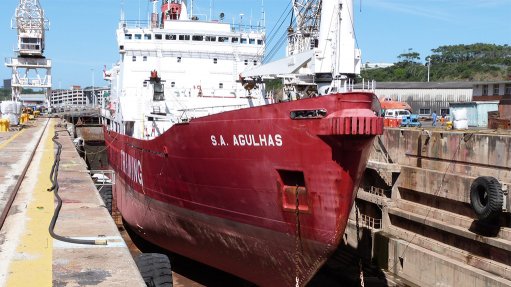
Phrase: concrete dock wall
pixel 417 190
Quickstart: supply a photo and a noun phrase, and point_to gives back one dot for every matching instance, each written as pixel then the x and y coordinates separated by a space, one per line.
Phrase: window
pixel 235 40
pixel 197 38
pixel 144 58
pixel 179 59
pixel 243 40
pixel 134 58
pixel 496 89
pixel 221 85
pixel 251 41
pixel 259 42
pixel 255 62
pixel 147 36
pixel 223 39
pixel 444 112
pixel 424 111
pixel 128 36
pixel 138 36
pixel 184 37
pixel 215 60
pixel 485 90
pixel 173 84
pixel 158 36
pixel 211 38
pixel 170 37
pixel 507 89
pixel 246 62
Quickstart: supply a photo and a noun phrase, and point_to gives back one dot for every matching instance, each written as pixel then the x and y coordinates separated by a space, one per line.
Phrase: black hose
pixel 55 187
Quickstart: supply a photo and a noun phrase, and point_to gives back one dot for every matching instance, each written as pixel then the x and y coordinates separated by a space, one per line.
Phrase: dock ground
pixel 29 255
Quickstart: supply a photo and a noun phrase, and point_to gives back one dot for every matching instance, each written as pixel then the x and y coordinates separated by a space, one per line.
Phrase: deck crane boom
pixel 30 68
pixel 321 53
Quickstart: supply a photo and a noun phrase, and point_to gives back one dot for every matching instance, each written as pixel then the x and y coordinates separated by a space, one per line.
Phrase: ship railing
pixel 187 114
pixel 134 24
pixel 247 28
pixel 371 222
pixel 241 28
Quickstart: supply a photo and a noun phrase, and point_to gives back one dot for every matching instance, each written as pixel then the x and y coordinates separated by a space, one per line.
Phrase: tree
pixel 474 62
pixel 410 57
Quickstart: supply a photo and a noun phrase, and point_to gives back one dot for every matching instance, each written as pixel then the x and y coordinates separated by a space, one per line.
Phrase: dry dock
pixel 417 223
pixel 29 255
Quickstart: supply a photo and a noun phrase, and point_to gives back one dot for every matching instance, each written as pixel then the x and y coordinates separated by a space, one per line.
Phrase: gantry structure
pixel 30 68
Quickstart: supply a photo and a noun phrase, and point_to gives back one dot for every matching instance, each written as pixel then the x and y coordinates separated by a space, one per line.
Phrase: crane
pixel 30 68
pixel 31 24
pixel 321 55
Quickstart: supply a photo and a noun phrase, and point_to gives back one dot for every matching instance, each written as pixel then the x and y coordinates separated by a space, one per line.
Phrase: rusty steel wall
pixel 90 133
pixel 417 207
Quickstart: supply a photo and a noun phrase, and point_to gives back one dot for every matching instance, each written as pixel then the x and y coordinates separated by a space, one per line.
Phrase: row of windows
pixel 220 39
pixel 496 89
pixel 215 60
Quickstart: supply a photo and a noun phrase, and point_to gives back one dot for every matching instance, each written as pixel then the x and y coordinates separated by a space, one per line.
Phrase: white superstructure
pixel 177 67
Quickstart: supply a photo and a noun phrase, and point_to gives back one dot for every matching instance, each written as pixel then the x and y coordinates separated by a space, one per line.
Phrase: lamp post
pixel 428 58
pixel 93 94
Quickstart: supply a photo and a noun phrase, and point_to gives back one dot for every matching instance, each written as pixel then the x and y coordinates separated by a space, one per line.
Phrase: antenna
pixel 191 9
pixel 263 16
pixel 122 11
pixel 211 10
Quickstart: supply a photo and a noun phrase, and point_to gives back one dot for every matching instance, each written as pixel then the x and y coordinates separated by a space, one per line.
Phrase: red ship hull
pixel 222 189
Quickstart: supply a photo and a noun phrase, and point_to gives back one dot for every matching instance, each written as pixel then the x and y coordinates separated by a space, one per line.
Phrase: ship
pixel 211 166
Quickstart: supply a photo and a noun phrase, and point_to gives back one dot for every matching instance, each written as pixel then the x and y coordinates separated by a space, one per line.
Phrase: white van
pixel 396 113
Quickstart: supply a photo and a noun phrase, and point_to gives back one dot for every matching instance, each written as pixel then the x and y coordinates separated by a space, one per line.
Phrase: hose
pixel 55 188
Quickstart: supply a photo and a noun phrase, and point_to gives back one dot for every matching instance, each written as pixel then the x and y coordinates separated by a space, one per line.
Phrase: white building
pixel 78 97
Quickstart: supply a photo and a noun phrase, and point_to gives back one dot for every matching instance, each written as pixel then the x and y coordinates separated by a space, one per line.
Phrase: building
pixel 426 97
pixel 33 100
pixel 76 96
pixel 369 65
pixel 492 91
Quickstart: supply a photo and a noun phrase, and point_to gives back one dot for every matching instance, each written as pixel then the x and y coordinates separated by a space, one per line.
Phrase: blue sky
pixel 81 39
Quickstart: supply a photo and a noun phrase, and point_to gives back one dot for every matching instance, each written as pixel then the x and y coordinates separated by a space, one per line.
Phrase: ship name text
pixel 131 167
pixel 248 140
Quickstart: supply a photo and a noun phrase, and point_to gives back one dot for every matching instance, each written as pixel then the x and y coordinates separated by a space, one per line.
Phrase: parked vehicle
pixel 396 113
pixel 411 121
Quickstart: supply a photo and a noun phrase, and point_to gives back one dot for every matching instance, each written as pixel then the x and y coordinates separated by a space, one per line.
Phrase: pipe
pixel 55 187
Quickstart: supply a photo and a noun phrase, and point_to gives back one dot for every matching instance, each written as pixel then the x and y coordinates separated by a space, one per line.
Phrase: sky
pixel 81 39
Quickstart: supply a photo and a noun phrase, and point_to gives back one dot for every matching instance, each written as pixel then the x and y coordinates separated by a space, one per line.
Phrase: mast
pixel 154 14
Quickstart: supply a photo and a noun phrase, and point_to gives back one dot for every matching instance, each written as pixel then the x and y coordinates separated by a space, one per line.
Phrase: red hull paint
pixel 221 189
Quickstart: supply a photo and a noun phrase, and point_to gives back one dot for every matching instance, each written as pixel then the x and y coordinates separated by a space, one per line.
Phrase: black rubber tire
pixel 155 269
pixel 106 194
pixel 486 197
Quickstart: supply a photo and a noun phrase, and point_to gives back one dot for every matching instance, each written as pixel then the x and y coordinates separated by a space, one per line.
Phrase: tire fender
pixel 486 197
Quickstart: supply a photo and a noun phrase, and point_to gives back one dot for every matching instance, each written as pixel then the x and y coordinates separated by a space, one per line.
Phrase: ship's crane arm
pixel 321 52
